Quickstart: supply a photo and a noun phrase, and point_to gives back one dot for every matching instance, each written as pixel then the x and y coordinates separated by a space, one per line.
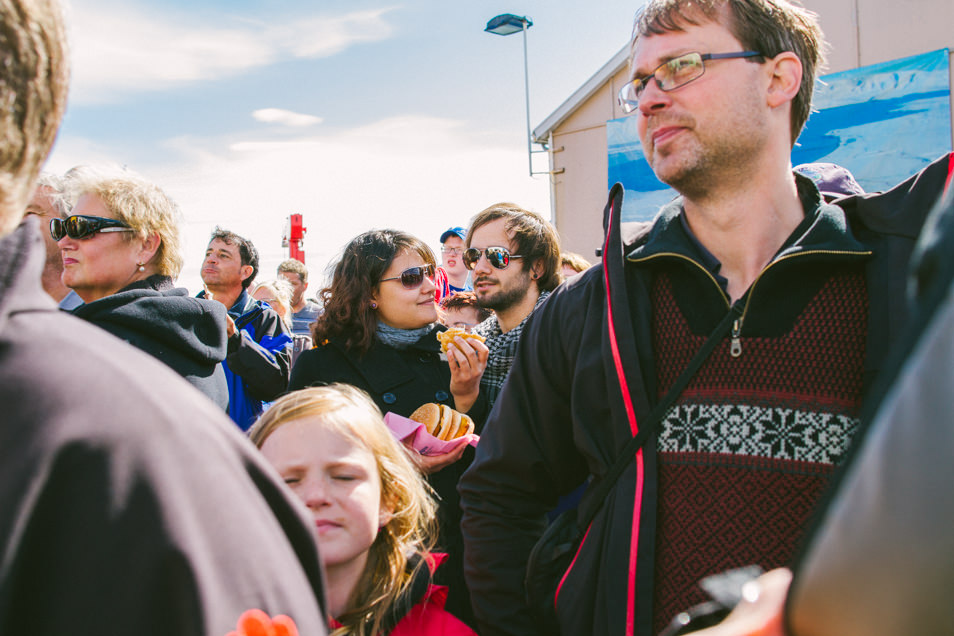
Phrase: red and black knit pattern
pixel 748 448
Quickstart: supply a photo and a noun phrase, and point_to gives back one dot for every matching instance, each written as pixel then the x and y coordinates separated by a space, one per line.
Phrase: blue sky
pixel 356 114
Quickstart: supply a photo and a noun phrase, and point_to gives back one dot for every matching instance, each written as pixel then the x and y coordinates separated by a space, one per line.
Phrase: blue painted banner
pixel 883 122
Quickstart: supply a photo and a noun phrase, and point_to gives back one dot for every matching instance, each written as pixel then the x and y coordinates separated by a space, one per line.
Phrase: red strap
pixel 950 171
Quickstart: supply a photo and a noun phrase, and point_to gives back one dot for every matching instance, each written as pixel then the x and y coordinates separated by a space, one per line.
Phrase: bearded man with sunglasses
pixel 797 298
pixel 514 257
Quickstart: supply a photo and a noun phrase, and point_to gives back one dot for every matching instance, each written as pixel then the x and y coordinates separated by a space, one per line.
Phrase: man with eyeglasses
pixel 128 502
pixel 514 258
pixel 806 293
pixel 452 261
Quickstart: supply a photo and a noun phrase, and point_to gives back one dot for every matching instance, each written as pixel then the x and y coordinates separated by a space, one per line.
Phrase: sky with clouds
pixel 356 114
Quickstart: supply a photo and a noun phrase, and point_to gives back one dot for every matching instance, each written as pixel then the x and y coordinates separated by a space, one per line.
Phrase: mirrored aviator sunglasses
pixel 413 277
pixel 80 226
pixel 498 257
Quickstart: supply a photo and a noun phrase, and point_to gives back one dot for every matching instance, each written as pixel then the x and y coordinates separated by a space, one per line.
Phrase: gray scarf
pixel 400 338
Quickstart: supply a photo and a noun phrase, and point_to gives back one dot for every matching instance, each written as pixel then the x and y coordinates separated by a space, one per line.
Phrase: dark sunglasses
pixel 80 226
pixel 413 277
pixel 499 257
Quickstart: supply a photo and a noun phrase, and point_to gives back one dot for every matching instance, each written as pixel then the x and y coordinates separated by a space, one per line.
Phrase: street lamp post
pixel 508 24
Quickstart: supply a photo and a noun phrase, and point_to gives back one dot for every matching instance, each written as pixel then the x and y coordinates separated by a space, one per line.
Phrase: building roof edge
pixel 584 92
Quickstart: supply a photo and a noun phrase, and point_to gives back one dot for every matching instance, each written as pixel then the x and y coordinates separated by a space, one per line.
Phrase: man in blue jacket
pixel 258 363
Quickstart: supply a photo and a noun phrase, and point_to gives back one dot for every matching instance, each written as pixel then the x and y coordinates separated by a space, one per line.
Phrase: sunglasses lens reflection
pixel 498 257
pixel 471 256
pixel 413 278
pixel 56 229
pixel 77 227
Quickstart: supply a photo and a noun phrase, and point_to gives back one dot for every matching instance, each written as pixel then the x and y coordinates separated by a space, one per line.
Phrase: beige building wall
pixel 859 32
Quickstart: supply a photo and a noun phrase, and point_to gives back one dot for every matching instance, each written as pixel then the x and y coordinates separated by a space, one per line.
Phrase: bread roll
pixel 447 337
pixel 430 416
pixel 442 421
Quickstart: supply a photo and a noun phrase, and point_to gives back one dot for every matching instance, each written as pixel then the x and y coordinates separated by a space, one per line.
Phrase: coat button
pixel 389 398
pixel 424 357
pixel 440 396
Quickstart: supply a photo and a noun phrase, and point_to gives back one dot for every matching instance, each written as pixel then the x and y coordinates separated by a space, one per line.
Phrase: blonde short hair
pixel 411 530
pixel 281 290
pixel 34 76
pixel 137 202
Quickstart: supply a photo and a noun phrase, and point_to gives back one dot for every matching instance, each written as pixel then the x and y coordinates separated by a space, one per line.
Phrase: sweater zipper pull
pixel 735 347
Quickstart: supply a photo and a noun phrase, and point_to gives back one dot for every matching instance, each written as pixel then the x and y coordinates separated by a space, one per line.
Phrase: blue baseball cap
pixel 454 231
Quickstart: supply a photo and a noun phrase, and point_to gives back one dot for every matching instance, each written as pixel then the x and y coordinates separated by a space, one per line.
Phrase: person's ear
pixel 785 80
pixel 247 271
pixel 537 270
pixel 150 245
pixel 385 514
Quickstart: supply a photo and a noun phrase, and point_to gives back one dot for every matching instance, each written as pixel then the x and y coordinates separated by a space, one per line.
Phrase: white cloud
pixel 285 117
pixel 117 50
pixel 418 174
pixel 321 37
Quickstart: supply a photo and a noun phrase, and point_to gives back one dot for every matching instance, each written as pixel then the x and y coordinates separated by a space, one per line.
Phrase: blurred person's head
pixel 277 294
pixel 462 310
pixel 34 76
pixel 295 272
pixel 371 506
pixel 452 249
pixel 572 264
pixel 384 276
pixel 121 229
pixel 231 263
pixel 50 202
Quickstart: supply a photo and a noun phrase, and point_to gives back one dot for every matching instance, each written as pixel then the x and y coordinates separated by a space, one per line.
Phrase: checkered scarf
pixel 503 349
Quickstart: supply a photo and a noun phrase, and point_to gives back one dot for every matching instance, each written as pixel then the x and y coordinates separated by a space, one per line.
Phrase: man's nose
pixel 482 264
pixel 653 98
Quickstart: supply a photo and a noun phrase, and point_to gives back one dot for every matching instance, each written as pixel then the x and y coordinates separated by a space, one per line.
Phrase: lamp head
pixel 507 24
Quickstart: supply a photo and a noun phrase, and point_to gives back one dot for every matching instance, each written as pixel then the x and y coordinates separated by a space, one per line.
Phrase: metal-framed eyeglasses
pixel 673 74
pixel 80 226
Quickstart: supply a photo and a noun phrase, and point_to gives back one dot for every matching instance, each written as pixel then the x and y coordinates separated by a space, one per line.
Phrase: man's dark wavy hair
pixel 247 251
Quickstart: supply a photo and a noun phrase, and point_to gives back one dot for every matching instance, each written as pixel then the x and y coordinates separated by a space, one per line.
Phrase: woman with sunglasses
pixel 378 333
pixel 121 253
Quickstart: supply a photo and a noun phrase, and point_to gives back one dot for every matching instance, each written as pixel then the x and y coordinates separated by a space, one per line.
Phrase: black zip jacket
pixel 582 382
pixel 188 334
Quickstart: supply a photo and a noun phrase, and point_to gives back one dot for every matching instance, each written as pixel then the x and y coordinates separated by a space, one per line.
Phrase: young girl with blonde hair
pixel 374 514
